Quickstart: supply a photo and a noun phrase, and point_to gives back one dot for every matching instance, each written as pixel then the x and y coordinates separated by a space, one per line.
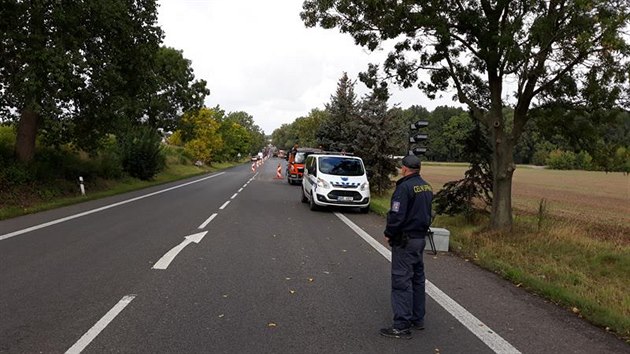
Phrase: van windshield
pixel 300 157
pixel 341 166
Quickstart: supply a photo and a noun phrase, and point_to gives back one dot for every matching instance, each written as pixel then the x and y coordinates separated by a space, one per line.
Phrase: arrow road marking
pixel 170 255
pixel 474 325
pixel 89 336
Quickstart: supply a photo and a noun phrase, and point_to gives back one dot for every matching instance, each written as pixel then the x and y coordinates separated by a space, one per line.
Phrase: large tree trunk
pixel 26 134
pixel 502 172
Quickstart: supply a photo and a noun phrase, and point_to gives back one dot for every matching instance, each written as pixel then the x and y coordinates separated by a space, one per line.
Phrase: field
pixel 576 253
pixel 599 200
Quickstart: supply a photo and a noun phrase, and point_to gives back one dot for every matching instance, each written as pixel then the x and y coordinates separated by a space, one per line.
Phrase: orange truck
pixel 295 164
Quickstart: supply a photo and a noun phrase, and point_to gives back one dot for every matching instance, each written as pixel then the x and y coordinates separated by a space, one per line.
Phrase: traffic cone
pixel 279 172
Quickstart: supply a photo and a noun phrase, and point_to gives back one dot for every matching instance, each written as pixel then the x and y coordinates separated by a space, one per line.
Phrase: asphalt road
pixel 267 276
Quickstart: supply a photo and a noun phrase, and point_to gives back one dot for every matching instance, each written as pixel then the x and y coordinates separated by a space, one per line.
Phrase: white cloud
pixel 258 57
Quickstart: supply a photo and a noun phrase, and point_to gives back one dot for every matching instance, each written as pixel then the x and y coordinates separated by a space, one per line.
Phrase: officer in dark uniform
pixel 408 221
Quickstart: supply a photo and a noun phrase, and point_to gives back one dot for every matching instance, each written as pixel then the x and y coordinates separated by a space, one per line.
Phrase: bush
pixel 141 153
pixel 583 161
pixel 109 161
pixel 561 160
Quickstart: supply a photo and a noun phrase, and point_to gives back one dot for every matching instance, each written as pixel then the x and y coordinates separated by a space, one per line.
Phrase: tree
pixel 236 140
pixel 461 196
pixel 77 66
pixel 336 133
pixel 176 90
pixel 373 142
pixel 520 54
pixel 199 133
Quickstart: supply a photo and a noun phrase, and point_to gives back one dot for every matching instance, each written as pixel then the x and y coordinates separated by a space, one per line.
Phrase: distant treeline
pixel 555 137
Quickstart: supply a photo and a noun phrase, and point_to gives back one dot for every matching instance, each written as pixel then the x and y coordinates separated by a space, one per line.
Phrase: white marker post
pixel 81 185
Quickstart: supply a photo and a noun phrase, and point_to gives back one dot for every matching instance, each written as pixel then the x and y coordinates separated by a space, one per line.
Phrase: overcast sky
pixel 258 57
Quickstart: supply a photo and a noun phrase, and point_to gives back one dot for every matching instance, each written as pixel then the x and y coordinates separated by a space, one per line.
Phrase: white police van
pixel 335 180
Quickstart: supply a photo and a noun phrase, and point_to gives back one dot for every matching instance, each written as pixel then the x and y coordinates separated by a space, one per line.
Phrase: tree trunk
pixel 502 172
pixel 26 134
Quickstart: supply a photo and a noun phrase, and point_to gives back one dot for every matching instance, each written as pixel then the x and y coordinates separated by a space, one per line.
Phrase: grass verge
pixel 104 188
pixel 561 262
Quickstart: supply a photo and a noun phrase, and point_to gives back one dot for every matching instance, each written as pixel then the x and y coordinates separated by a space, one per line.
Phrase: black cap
pixel 412 162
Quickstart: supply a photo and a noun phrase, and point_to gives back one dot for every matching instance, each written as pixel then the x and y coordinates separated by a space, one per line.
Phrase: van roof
pixel 336 154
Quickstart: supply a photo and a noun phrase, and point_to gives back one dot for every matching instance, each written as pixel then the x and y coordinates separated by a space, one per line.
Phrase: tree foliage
pixel 373 142
pixel 175 87
pixel 199 133
pixel 76 68
pixel 303 131
pixel 475 189
pixel 141 152
pixel 518 54
pixel 336 132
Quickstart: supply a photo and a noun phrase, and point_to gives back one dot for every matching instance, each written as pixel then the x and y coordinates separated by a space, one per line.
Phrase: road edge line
pixel 75 216
pixel 488 336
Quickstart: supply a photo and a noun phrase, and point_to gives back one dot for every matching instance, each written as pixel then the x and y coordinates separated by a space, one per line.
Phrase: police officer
pixel 408 221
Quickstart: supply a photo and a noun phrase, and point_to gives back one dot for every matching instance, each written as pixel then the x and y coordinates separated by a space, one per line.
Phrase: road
pixel 233 262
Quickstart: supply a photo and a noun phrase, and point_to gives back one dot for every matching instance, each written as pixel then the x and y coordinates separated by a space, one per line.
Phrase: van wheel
pixel 304 199
pixel 312 205
pixel 365 210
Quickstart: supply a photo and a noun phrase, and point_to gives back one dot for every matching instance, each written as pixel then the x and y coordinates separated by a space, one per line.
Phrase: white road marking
pixel 89 336
pixel 478 328
pixel 245 185
pixel 234 196
pixel 166 259
pixel 240 190
pixel 205 223
pixel 224 205
pixel 58 221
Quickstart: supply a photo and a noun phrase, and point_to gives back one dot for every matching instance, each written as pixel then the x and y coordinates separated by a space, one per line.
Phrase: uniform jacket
pixel 410 209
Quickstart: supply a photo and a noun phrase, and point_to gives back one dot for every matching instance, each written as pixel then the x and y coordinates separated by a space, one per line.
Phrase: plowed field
pixel 595 198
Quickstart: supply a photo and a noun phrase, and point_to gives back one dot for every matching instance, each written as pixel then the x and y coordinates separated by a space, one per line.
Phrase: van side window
pixel 313 169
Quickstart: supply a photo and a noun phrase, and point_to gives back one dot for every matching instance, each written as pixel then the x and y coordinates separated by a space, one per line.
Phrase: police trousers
pixel 408 297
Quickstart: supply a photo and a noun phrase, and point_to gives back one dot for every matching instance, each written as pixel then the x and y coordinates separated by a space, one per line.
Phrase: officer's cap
pixel 412 162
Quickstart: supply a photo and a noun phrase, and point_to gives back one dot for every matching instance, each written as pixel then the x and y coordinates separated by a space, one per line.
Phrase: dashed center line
pixel 89 336
pixel 224 205
pixel 205 223
pixel 234 196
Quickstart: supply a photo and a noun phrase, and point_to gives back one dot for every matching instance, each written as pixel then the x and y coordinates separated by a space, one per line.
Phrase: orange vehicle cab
pixel 295 165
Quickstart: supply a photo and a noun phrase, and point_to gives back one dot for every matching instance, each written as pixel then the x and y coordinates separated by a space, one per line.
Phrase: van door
pixel 310 170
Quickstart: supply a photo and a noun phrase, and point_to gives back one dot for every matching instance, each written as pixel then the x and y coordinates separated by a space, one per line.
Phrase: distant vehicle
pixel 254 158
pixel 260 155
pixel 295 165
pixel 335 180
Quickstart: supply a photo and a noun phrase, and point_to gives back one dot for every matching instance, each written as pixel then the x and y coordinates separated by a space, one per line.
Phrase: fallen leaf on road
pixel 575 310
pixel 519 285
pixel 325 272
pixel 311 280
pixel 344 251
pixel 225 295
pixel 287 278
pixel 221 315
pixel 271 324
pixel 292 291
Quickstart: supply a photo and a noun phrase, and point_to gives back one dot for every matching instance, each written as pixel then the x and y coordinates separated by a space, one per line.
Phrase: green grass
pixel 561 262
pixel 100 188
